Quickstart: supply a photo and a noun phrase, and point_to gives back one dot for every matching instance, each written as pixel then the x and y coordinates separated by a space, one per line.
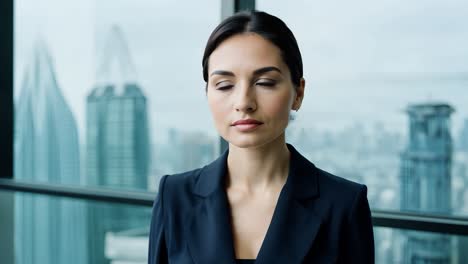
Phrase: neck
pixel 258 168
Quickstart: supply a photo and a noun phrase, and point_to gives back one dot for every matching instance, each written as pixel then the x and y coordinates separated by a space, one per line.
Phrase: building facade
pixel 117 157
pixel 426 179
pixel 46 149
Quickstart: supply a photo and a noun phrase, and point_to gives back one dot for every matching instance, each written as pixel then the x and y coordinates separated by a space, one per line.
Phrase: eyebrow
pixel 256 72
pixel 266 69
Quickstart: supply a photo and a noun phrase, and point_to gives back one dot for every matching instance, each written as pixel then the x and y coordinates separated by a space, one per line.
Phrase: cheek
pixel 279 106
pixel 218 108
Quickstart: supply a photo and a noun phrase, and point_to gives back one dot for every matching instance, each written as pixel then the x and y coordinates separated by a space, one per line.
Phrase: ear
pixel 299 95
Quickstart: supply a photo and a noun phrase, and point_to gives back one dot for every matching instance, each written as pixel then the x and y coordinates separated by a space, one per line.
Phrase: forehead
pixel 245 52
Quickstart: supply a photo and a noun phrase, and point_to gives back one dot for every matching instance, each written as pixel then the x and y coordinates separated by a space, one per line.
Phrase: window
pixel 109 93
pixel 381 77
pixel 403 246
pixel 93 83
pixel 63 230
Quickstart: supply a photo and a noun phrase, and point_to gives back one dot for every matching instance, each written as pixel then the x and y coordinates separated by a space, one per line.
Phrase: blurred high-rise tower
pixel 426 179
pixel 117 142
pixel 47 230
pixel 463 138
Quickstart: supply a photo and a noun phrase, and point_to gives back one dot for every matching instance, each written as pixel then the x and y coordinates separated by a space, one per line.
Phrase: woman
pixel 261 201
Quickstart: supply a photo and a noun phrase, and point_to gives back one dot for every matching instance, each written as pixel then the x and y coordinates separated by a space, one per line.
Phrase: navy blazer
pixel 319 218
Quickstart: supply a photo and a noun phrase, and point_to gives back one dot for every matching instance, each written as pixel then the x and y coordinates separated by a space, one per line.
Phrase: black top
pixel 245 261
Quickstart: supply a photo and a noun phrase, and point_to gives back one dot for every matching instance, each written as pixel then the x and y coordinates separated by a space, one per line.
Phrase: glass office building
pixel 117 146
pixel 426 179
pixel 117 151
pixel 46 150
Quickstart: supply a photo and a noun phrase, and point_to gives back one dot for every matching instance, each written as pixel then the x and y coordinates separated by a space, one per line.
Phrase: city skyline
pixel 358 90
pixel 371 130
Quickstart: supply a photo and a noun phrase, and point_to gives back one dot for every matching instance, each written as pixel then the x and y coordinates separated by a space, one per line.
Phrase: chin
pixel 248 142
pixel 244 144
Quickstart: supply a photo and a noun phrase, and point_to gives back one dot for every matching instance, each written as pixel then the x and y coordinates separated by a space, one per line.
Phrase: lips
pixel 247 122
pixel 247 125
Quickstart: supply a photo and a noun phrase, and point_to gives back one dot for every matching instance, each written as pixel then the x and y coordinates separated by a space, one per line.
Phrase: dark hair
pixel 265 25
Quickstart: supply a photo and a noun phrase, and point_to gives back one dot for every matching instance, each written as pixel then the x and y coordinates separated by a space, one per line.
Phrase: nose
pixel 245 99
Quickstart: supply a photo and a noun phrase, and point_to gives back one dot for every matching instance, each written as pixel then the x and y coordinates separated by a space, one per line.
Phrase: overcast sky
pixel 363 60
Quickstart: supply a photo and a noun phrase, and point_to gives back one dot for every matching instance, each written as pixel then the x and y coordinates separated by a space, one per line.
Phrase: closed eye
pixel 225 87
pixel 264 83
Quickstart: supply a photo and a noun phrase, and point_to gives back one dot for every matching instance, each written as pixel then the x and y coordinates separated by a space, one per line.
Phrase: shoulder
pixel 179 183
pixel 343 209
pixel 175 197
pixel 312 179
pixel 194 183
pixel 329 187
pixel 339 196
pixel 337 186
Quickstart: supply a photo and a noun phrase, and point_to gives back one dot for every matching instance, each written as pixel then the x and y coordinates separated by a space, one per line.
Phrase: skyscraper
pixel 117 148
pixel 426 179
pixel 463 138
pixel 117 137
pixel 47 230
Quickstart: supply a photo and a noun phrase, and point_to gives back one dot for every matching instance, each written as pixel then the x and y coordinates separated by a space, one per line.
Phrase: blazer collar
pixel 294 223
pixel 302 178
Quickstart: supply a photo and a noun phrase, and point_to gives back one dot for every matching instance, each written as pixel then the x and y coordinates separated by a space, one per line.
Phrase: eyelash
pixel 266 84
pixel 222 88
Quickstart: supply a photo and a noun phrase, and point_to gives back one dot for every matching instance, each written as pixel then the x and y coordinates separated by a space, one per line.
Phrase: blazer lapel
pixel 209 233
pixel 295 224
pixel 293 227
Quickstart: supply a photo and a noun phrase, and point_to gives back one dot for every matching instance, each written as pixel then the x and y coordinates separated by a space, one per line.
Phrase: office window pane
pixel 385 99
pixel 409 246
pixel 110 93
pixel 46 229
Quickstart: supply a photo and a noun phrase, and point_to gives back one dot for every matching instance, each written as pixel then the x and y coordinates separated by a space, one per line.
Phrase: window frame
pixel 6 89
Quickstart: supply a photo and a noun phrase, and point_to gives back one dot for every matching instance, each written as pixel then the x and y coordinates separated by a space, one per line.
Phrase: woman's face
pixel 248 80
